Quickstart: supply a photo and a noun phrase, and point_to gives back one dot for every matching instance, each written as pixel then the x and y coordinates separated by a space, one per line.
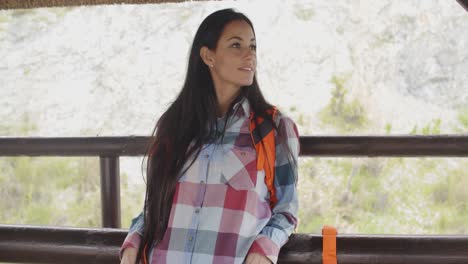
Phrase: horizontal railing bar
pixel 36 244
pixel 73 146
pixel 39 244
pixel 398 145
pixel 394 146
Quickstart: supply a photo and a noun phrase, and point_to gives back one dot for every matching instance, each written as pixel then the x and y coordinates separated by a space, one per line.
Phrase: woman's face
pixel 235 59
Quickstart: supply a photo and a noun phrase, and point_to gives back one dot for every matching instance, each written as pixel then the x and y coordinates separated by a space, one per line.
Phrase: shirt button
pixel 202 182
pixel 243 153
pixel 207 156
pixel 197 210
pixel 190 238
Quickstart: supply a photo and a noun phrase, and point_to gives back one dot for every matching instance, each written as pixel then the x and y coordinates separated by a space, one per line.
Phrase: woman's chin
pixel 246 82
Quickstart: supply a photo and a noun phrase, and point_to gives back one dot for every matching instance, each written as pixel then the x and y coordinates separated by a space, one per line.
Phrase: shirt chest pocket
pixel 239 168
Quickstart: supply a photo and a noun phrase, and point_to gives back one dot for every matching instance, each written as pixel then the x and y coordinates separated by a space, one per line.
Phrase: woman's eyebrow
pixel 239 38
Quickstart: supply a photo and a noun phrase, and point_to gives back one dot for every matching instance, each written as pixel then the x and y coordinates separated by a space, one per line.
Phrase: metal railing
pixel 84 245
pixel 33 244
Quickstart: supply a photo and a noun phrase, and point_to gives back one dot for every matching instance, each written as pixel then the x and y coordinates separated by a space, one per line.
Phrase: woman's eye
pixel 235 45
pixel 253 47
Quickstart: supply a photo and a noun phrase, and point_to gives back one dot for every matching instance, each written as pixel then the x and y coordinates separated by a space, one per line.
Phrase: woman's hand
pixel 255 258
pixel 129 256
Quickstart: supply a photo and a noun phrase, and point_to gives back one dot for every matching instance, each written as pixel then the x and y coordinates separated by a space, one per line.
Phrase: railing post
pixel 110 191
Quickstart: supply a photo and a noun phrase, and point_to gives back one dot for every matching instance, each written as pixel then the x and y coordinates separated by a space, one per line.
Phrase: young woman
pixel 206 201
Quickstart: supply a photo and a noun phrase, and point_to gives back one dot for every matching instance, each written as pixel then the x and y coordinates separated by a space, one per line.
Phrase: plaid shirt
pixel 220 212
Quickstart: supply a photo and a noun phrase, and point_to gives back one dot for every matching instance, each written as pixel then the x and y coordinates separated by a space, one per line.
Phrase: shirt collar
pixel 242 107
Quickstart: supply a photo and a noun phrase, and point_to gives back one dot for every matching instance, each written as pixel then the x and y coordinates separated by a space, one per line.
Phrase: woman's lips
pixel 249 69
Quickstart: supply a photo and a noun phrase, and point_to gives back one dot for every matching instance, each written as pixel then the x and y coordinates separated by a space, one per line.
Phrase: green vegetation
pixel 341 114
pixel 432 128
pixel 303 12
pixel 357 195
pixel 50 191
pixel 4 18
pixel 462 120
pixel 61 191
pixel 382 195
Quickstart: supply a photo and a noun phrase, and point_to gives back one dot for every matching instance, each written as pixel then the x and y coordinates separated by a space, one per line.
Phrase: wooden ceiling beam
pixel 26 4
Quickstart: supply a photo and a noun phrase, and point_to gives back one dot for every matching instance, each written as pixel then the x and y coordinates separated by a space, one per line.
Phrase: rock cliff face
pixel 113 70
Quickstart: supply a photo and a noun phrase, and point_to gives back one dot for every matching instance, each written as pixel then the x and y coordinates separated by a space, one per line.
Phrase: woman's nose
pixel 249 54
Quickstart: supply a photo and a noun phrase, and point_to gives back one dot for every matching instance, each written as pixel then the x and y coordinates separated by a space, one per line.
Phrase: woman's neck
pixel 225 98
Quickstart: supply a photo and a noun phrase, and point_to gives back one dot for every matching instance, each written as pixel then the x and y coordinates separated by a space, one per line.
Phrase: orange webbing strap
pixel 145 261
pixel 329 245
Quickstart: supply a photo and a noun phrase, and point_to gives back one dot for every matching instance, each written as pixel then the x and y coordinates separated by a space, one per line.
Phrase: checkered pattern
pixel 220 212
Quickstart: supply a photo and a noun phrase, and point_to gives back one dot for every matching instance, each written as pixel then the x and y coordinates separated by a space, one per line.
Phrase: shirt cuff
pixel 263 245
pixel 131 241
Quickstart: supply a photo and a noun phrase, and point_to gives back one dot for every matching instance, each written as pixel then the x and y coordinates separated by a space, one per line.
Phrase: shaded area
pixel 35 244
pixel 17 4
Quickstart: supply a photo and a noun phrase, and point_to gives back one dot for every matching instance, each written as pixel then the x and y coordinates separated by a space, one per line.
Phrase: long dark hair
pixel 186 125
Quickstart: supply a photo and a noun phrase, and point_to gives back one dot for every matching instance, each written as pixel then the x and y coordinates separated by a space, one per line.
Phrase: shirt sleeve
pixel 284 215
pixel 132 240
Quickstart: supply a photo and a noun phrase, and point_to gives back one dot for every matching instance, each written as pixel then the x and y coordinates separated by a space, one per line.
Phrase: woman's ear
pixel 206 56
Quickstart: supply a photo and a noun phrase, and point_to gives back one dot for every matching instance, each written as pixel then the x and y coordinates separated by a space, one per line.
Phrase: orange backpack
pixel 264 131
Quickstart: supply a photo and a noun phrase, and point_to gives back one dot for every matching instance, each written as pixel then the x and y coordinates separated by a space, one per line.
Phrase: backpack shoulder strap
pixel 261 131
